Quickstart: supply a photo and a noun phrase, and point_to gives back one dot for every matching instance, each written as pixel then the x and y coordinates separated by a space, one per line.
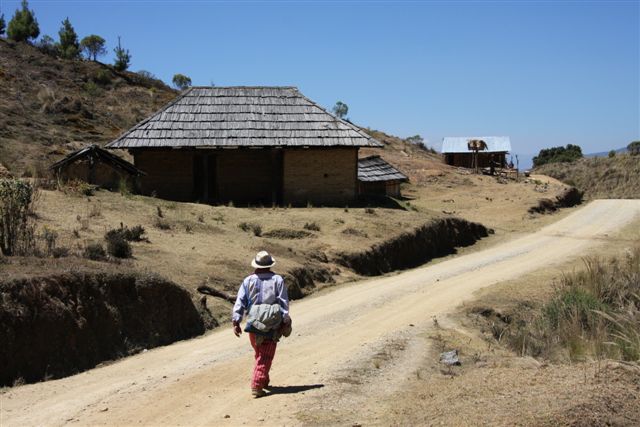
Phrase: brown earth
pixel 357 367
pixel 50 107
pixel 57 324
pixel 193 243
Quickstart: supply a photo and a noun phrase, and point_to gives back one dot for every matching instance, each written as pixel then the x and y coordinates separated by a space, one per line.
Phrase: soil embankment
pixel 61 324
pixel 437 238
pixel 568 198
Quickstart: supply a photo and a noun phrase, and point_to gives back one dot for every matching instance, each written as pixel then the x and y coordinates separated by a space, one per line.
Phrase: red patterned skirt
pixel 264 357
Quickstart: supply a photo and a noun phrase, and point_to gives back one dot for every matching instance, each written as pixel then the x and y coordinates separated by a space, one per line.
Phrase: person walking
pixel 263 298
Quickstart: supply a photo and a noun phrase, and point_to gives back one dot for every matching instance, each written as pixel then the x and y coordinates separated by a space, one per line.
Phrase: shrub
pixel 80 188
pixel 133 234
pixel 16 227
pixel 634 148
pixel 92 89
pixel 595 312
pixel 47 45
pixel 256 229
pixel 350 231
pixel 117 246
pixel 161 224
pixel 95 252
pixel 102 77
pixel 50 237
pixel 312 226
pixel 60 252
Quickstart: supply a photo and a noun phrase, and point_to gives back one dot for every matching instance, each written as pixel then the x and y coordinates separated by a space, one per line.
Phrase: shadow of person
pixel 291 389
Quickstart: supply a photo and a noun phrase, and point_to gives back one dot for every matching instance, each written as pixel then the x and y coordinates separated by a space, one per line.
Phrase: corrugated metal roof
pixel 374 168
pixel 243 116
pixel 458 144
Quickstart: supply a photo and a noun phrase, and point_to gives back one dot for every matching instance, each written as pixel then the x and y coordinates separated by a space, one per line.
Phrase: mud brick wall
pixel 320 175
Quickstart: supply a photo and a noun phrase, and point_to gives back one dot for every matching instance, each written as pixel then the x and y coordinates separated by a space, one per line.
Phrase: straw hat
pixel 263 260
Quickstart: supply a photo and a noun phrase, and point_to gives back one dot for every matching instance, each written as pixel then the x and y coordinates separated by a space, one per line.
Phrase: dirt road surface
pixel 205 381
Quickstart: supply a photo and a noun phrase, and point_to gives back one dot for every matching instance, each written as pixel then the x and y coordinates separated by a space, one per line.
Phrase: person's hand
pixel 236 329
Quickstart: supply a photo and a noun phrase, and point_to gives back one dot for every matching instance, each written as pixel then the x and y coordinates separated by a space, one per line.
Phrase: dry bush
pixel 95 252
pixel 161 224
pixel 593 313
pixel 47 97
pixel 17 230
pixel 256 229
pixel 311 226
pixel 350 231
pixel 286 233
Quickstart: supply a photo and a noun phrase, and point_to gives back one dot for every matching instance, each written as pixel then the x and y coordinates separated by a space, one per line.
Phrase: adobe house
pixel 378 178
pixel 248 145
pixel 96 166
pixel 456 151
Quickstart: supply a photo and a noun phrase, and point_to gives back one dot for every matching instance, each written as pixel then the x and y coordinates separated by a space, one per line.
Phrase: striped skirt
pixel 264 357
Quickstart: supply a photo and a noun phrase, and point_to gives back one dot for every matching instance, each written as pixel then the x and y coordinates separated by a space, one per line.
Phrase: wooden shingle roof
pixel 243 116
pixel 97 153
pixel 374 168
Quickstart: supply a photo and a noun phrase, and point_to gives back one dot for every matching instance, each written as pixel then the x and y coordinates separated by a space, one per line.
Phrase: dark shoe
pixel 257 392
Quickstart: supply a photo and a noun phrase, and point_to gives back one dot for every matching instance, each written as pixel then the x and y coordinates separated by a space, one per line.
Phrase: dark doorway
pixel 204 178
pixel 277 179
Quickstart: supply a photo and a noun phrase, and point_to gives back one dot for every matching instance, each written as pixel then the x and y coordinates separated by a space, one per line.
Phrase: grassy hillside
pixel 417 163
pixel 600 177
pixel 52 106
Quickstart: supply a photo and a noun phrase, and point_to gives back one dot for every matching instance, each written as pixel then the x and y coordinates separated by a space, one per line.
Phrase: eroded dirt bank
pixel 413 248
pixel 61 324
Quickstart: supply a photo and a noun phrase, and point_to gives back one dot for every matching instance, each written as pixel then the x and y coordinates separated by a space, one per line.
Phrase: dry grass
pixel 46 110
pixel 593 313
pixel 192 242
pixel 610 178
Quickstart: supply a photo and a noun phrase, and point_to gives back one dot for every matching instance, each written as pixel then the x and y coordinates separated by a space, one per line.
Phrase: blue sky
pixel 545 73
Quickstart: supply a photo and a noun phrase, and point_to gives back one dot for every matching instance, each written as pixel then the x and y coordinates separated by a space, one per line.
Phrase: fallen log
pixel 208 290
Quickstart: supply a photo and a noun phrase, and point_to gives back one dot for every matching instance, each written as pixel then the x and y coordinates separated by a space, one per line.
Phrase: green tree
pixel 634 148
pixel 181 81
pixel 558 154
pixel 69 46
pixel 93 46
pixel 23 26
pixel 47 45
pixel 340 109
pixel 612 153
pixel 123 57
pixel 2 24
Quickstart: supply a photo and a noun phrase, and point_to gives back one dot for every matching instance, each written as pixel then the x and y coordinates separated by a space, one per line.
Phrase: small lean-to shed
pixel 247 145
pixel 457 153
pixel 376 177
pixel 96 166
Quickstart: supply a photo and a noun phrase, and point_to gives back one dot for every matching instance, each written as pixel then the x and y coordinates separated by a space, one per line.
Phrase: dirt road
pixel 204 381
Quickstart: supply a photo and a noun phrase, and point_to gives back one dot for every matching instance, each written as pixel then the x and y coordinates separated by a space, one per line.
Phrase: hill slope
pixel 52 106
pixel 600 177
